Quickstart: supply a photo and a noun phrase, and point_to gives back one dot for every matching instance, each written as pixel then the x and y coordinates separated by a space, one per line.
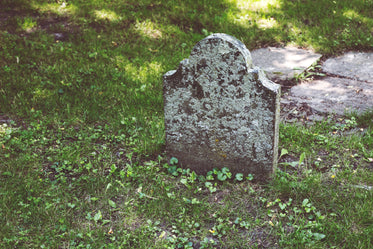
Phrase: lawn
pixel 82 161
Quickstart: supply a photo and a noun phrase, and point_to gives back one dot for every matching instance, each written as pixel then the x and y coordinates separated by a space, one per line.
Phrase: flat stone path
pixel 351 65
pixel 348 86
pixel 334 95
pixel 283 63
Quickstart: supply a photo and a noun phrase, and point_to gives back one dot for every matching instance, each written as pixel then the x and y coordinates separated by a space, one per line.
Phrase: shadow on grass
pixel 102 61
pixel 324 25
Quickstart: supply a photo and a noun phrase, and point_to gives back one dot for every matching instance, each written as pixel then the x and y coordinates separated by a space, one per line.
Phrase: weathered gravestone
pixel 220 111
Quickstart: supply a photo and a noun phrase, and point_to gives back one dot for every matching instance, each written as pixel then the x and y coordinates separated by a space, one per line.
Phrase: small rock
pixel 59 36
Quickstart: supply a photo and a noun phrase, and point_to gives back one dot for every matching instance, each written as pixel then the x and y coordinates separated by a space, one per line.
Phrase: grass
pixel 82 134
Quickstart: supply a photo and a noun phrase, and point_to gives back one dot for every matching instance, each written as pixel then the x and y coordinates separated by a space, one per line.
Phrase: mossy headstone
pixel 221 111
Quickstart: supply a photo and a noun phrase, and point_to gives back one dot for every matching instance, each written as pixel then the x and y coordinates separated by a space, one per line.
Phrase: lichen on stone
pixel 220 110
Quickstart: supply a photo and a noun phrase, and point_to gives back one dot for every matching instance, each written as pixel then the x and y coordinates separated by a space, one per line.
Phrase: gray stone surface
pixel 333 95
pixel 221 111
pixel 283 63
pixel 353 65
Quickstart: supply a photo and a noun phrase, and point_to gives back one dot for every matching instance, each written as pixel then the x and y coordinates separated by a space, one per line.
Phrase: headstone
pixel 221 111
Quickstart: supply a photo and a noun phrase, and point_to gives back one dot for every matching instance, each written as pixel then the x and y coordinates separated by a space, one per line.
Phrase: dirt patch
pixel 60 27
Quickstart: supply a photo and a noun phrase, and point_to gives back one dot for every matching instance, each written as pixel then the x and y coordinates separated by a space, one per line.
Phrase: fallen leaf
pixel 162 234
pixel 152 50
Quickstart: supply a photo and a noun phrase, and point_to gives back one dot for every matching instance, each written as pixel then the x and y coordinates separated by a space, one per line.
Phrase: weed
pixel 309 73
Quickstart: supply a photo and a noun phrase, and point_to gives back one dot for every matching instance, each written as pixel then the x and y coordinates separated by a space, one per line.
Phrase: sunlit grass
pixel 353 15
pixel 148 29
pixel 59 8
pixel 267 23
pixel 27 24
pixel 257 5
pixel 107 15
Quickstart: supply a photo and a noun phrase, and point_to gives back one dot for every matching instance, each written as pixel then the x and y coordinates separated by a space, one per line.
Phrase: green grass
pixel 82 133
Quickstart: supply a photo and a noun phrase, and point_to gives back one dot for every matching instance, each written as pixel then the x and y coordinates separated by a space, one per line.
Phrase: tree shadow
pixel 140 35
pixel 326 26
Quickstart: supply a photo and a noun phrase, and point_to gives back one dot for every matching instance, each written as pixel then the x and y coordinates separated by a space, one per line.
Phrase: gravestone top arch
pixel 221 111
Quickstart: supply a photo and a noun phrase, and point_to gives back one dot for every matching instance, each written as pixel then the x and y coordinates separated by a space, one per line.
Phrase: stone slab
pixel 221 111
pixel 283 63
pixel 353 65
pixel 334 95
